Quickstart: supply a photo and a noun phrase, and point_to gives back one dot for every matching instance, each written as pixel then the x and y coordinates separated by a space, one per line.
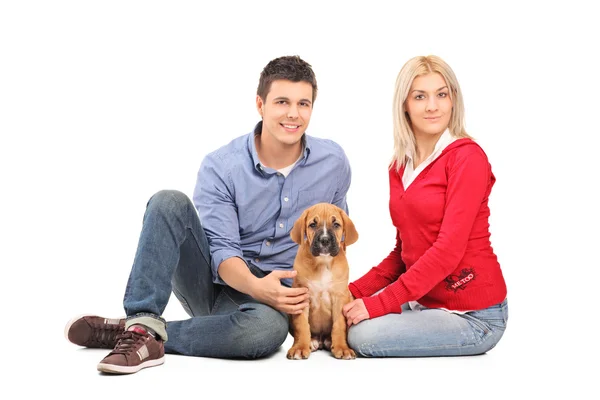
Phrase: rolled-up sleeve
pixel 213 198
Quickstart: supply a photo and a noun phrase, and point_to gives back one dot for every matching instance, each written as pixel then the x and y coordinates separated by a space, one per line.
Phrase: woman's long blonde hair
pixel 404 138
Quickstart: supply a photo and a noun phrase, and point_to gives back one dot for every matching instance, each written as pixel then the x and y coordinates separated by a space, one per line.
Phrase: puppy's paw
pixel 345 353
pixel 298 352
pixel 315 344
pixel 327 343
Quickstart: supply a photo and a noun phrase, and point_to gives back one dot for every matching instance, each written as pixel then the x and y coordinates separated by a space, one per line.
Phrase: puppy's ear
pixel 350 233
pixel 299 229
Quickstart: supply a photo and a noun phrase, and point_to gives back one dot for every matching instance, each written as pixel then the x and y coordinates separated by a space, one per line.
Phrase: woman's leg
pixel 429 333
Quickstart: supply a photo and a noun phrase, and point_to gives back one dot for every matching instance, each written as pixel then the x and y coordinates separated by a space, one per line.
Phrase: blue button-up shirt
pixel 247 210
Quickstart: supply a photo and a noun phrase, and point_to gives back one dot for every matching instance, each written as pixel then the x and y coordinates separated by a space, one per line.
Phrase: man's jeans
pixel 173 255
pixel 429 333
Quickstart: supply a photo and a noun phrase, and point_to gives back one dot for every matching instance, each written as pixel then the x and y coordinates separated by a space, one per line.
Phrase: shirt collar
pixel 441 144
pixel 306 144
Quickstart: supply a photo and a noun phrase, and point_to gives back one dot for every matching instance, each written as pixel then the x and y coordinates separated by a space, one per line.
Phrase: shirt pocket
pixel 308 198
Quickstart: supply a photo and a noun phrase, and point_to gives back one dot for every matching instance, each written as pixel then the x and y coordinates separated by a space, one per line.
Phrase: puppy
pixel 323 231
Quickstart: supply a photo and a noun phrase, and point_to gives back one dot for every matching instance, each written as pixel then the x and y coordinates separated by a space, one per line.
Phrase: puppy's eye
pixel 312 225
pixel 336 225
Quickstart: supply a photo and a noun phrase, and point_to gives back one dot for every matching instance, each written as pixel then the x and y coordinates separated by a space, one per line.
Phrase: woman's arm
pixel 469 180
pixel 381 275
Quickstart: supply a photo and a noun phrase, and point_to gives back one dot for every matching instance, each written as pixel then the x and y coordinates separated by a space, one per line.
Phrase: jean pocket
pixel 184 302
pixel 496 323
pixel 481 327
pixel 505 312
pixel 495 316
pixel 236 297
pixel 218 300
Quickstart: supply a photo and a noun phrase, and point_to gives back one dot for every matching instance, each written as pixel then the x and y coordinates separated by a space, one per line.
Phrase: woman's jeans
pixel 173 255
pixel 429 333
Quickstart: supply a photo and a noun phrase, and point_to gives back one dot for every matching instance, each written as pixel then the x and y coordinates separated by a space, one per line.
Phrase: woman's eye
pixel 443 94
pixel 419 97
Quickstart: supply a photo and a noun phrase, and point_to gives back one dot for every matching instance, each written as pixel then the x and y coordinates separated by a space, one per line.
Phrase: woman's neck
pixel 424 146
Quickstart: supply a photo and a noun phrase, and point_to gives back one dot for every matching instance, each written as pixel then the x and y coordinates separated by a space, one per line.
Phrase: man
pixel 228 256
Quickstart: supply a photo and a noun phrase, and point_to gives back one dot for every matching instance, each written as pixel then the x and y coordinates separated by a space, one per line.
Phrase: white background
pixel 104 103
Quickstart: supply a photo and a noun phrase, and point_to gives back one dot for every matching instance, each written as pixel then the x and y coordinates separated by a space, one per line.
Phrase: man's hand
pixel 269 290
pixel 355 311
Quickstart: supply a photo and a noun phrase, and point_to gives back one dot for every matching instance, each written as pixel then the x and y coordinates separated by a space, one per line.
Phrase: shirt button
pixel 281 225
pixel 256 259
pixel 279 174
pixel 285 199
pixel 268 243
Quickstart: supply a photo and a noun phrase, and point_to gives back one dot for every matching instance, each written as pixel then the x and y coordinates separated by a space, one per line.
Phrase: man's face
pixel 286 112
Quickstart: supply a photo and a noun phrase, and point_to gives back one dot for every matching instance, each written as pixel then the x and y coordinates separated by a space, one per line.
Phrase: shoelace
pixel 127 342
pixel 106 334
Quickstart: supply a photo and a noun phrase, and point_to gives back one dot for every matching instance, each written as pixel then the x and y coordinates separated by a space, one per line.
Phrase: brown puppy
pixel 323 231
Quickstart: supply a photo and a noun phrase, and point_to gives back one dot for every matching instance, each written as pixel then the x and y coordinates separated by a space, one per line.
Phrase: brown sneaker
pixel 136 349
pixel 95 332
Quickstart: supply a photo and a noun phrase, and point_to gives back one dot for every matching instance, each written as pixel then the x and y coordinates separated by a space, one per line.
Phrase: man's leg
pixel 171 239
pixel 171 236
pixel 173 254
pixel 238 327
pixel 429 333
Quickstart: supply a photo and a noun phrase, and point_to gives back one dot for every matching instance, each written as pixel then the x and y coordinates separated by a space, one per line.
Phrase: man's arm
pixel 236 274
pixel 215 201
pixel 268 290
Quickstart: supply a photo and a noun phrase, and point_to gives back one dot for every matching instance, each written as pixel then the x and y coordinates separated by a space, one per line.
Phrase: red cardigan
pixel 443 255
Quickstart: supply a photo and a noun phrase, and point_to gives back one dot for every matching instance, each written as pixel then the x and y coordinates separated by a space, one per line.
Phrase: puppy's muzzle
pixel 324 243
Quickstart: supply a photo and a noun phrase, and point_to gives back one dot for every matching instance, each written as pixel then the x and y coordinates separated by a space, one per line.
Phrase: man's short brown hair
pixel 291 68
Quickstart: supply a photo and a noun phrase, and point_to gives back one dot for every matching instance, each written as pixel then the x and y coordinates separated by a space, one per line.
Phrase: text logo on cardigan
pixel 455 282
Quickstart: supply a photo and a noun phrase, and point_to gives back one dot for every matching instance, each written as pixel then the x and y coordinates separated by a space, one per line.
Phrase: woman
pixel 441 291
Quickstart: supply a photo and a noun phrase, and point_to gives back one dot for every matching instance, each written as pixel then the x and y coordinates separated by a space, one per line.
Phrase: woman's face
pixel 429 105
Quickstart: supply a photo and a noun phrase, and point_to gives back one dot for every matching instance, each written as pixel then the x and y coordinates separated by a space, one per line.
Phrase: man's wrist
pixel 235 273
pixel 253 285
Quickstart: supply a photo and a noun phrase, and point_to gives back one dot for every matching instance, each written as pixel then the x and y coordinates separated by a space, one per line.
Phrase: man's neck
pixel 276 155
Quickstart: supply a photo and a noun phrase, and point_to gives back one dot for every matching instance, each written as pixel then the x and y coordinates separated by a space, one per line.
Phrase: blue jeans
pixel 429 333
pixel 173 255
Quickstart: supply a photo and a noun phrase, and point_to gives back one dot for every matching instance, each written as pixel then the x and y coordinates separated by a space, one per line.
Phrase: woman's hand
pixel 355 311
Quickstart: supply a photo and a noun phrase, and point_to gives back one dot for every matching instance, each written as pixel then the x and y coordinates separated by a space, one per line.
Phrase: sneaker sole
pixel 71 322
pixel 121 369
